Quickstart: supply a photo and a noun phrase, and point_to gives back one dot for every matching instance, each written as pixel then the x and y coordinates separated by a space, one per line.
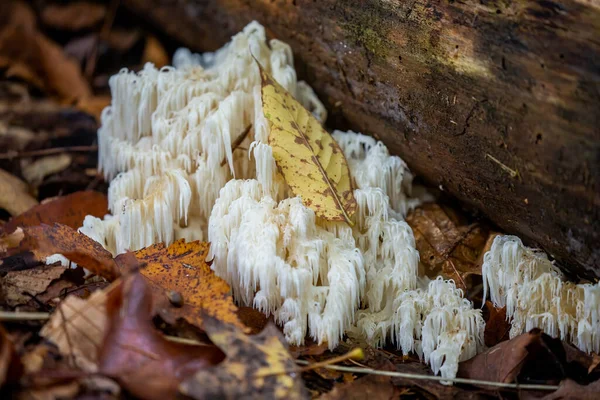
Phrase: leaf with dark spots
pixel 296 137
pixel 182 268
pixel 258 366
pixel 45 240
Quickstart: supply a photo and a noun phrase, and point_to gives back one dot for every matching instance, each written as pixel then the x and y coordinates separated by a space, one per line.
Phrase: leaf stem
pixel 405 375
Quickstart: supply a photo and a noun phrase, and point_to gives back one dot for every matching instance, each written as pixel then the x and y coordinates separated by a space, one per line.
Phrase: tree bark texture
pixel 497 102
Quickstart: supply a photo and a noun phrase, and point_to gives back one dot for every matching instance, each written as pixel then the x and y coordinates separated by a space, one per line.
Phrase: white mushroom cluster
pixel 170 144
pixel 536 294
pixel 166 139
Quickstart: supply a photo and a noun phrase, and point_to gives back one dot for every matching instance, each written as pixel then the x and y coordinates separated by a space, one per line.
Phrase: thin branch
pixel 11 155
pixel 355 354
pixel 238 140
pixel 435 378
pixel 23 316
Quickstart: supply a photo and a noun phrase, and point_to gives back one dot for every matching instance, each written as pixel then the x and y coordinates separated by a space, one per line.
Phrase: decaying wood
pixel 497 102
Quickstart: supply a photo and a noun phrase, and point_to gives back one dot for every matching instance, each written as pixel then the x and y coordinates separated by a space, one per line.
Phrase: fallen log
pixel 497 103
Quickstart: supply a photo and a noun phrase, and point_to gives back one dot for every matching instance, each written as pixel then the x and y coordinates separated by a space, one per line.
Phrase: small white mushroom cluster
pixel 536 294
pixel 167 143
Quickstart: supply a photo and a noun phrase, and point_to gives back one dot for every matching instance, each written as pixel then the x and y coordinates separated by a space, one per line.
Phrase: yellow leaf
pixel 310 160
pixel 182 268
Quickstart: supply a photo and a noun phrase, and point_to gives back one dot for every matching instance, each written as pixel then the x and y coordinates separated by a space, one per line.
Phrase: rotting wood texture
pixel 498 102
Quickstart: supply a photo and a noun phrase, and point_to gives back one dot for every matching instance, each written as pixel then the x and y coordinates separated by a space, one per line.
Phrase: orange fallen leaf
pixel 68 210
pixel 446 246
pixel 182 268
pixel 155 53
pixel 137 355
pixel 46 240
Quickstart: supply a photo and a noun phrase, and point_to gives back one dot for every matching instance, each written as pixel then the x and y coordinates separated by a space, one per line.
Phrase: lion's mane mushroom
pixel 167 143
pixel 166 140
pixel 536 294
pixel 314 275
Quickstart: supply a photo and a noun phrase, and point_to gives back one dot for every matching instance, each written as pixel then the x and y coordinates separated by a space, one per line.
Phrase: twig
pixel 405 375
pixel 23 316
pixel 11 155
pixel 238 140
pixel 191 342
pixel 512 172
pixel 355 354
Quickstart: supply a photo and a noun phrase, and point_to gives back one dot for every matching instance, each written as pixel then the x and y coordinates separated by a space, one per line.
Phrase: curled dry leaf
pixel 530 357
pixel 69 210
pixel 135 354
pixel 445 246
pixel 14 194
pixel 182 268
pixel 19 287
pixel 310 160
pixel 46 240
pixel 256 366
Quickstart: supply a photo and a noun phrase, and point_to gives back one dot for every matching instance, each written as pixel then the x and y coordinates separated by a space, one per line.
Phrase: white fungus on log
pixel 167 144
pixel 536 294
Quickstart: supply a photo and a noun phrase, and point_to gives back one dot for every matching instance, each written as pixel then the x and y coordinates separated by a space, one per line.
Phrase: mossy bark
pixel 497 102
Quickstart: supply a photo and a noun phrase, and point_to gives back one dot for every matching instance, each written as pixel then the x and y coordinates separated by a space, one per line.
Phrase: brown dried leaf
pixel 28 54
pixel 45 240
pixel 256 366
pixel 73 16
pixel 155 53
pixel 137 355
pixel 69 210
pixel 497 328
pixel 11 367
pixel 532 356
pixel 14 194
pixel 372 387
pixel 182 268
pixel 77 327
pixel 570 389
pixel 447 248
pixel 19 287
